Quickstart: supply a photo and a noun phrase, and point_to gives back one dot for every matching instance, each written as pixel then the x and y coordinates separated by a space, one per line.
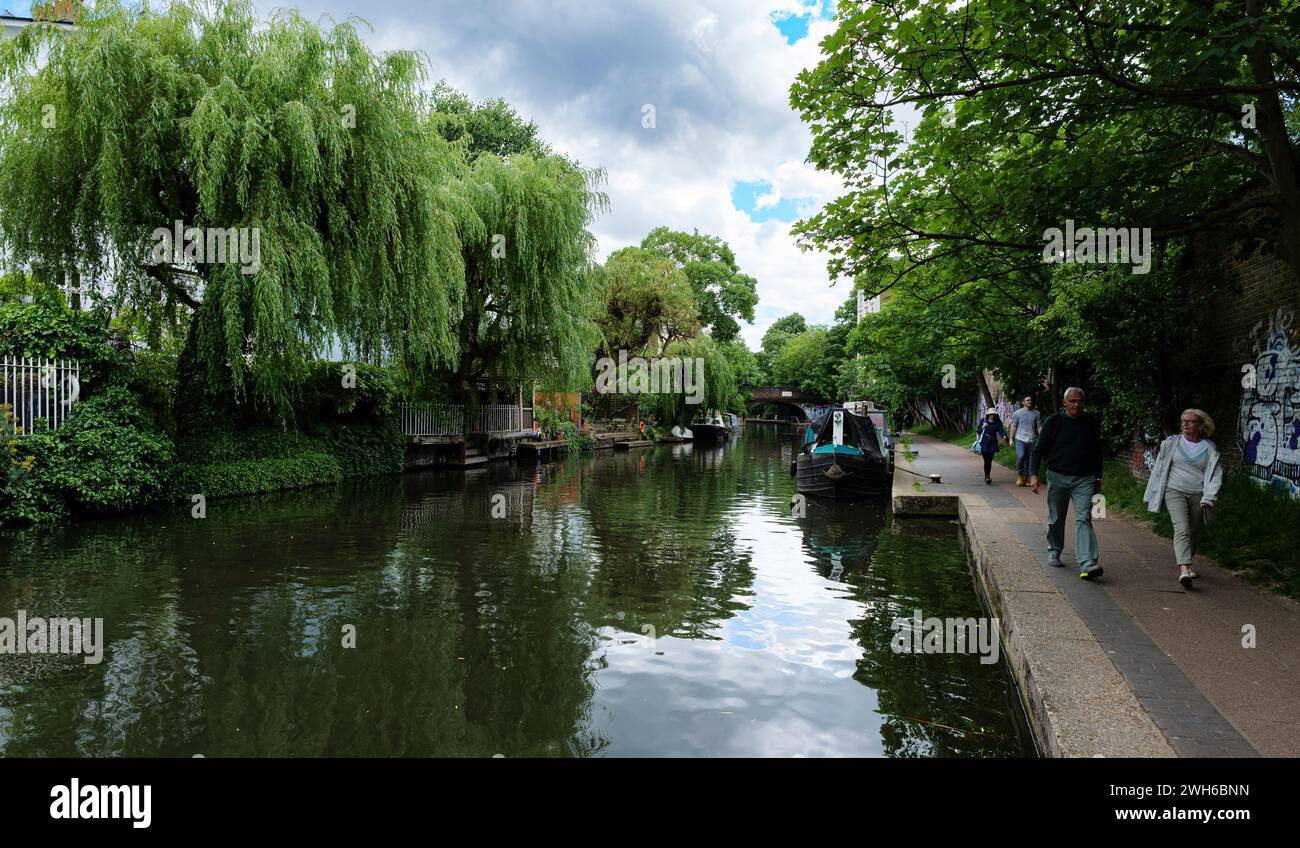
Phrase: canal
pixel 653 603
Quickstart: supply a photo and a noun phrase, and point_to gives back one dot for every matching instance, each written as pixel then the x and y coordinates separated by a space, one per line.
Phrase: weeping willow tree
pixel 530 288
pixel 718 391
pixel 202 114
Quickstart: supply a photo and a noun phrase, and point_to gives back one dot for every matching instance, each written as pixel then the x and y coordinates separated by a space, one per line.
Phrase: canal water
pixel 652 603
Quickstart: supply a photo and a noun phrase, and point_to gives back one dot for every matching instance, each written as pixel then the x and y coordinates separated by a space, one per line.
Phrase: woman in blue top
pixel 990 430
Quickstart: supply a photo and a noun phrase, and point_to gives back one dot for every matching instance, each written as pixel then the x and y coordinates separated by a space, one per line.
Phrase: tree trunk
pixel 984 388
pixel 1271 123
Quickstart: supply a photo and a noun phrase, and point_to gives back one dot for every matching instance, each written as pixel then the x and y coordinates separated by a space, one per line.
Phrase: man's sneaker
pixel 1185 580
pixel 1088 572
pixel 1191 572
pixel 1054 559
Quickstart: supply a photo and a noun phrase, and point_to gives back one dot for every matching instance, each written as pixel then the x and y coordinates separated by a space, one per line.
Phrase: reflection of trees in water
pixel 665 550
pixel 930 704
pixel 462 648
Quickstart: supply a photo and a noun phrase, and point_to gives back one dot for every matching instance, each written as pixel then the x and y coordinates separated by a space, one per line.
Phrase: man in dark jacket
pixel 1071 446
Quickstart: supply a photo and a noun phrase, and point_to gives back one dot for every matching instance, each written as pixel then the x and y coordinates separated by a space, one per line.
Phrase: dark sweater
pixel 1071 446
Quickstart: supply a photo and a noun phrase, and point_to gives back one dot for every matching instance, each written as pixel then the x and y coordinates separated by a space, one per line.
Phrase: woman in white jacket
pixel 1186 479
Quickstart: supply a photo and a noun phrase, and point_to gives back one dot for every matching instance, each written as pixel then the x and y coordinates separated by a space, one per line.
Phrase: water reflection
pixel 654 602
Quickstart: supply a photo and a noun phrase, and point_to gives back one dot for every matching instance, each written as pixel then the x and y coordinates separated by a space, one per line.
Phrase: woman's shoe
pixel 988 482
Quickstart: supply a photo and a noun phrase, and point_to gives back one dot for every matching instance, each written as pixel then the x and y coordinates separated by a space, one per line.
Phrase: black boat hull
pixel 863 476
pixel 708 433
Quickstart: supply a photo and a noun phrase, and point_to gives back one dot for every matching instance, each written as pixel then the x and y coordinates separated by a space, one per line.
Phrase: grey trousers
pixel 1188 517
pixel 1062 491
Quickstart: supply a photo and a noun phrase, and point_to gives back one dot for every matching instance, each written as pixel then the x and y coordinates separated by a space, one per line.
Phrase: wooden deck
pixel 526 447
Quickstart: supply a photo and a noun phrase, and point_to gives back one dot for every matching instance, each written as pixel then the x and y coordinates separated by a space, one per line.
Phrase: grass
pixel 1254 531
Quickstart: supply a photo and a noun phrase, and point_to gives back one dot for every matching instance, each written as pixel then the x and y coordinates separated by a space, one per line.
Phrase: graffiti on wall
pixel 1268 431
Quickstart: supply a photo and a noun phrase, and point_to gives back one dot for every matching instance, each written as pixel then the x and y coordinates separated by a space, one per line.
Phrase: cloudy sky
pixel 726 153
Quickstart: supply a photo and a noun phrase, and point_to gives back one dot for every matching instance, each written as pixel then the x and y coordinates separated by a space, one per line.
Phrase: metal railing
pixel 39 389
pixel 448 419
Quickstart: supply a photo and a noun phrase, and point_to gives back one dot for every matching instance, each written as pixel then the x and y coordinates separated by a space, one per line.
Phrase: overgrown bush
pixel 107 457
pixel 364 450
pixel 47 329
pixel 153 381
pixel 299 470
pixel 16 464
pixel 225 462
pixel 579 440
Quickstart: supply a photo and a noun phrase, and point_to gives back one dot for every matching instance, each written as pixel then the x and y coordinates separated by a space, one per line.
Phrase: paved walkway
pixel 1181 652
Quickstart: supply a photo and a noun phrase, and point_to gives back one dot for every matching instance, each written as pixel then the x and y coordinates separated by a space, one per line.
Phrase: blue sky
pixel 795 25
pixel 758 200
pixel 726 153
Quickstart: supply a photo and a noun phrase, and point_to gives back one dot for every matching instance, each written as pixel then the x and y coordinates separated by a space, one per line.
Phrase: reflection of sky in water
pixel 775 684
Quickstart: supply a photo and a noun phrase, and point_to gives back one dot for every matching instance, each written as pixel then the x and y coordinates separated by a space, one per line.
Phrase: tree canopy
pixel 413 229
pixel 649 303
pixel 1023 116
pixel 529 289
pixel 723 294
pixel 202 114
pixel 492 126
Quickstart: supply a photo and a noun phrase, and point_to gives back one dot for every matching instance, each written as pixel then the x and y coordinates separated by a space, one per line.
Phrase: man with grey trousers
pixel 1070 444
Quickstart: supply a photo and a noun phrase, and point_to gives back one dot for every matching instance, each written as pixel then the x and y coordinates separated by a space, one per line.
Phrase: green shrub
pixel 224 446
pixel 36 498
pixel 363 450
pixel 153 381
pixel 17 464
pixel 107 457
pixel 222 463
pixel 48 329
pixel 253 476
pixel 579 440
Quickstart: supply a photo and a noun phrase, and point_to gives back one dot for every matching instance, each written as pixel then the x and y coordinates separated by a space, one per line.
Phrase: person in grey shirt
pixel 1024 433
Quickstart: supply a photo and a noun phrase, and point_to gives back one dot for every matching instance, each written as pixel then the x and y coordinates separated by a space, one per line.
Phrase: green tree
pixel 530 293
pixel 719 383
pixel 722 292
pixel 648 303
pixel 1121 113
pixel 492 126
pixel 203 114
pixel 777 337
pixel 1133 115
pixel 809 361
pixel 745 368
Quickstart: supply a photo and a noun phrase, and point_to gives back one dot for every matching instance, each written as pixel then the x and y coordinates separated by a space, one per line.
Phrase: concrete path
pixel 1181 653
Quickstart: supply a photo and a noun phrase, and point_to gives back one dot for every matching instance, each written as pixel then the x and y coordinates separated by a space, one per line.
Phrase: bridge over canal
pixel 801 404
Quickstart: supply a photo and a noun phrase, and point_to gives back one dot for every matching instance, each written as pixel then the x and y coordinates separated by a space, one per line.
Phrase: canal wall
pixel 1078 703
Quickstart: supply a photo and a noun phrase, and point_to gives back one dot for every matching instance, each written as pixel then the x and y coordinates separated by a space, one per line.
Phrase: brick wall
pixel 1242 366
